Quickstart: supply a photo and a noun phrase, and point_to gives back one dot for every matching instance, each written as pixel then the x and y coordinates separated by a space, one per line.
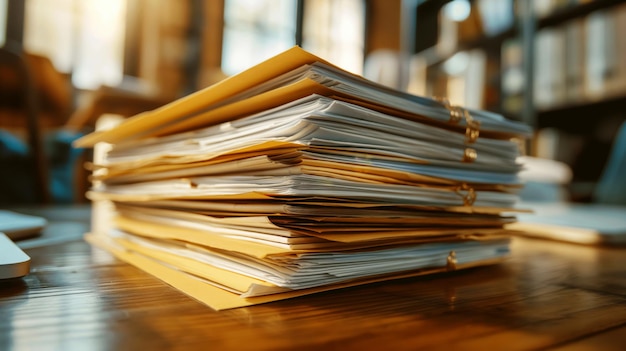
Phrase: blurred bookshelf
pixel 559 65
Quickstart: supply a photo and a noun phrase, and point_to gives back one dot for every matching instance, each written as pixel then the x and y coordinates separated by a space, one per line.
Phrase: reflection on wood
pixel 547 295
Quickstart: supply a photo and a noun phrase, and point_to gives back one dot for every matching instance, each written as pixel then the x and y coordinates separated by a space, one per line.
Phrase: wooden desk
pixel 548 295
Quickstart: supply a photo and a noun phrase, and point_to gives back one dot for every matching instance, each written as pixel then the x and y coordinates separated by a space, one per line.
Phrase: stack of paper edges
pixel 295 177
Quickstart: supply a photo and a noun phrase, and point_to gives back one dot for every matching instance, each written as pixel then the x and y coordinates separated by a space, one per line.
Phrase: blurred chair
pixel 23 170
pixel 37 162
pixel 611 188
pixel 38 123
pixel 129 98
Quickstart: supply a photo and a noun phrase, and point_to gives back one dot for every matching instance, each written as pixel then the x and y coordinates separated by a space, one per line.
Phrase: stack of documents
pixel 295 177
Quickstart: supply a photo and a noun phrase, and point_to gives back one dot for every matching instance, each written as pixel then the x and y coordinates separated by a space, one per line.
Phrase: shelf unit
pixel 575 11
pixel 525 23
pixel 580 117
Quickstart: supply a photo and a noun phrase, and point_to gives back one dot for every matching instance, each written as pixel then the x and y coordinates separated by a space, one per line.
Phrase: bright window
pixel 3 20
pixel 255 30
pixel 85 38
pixel 335 31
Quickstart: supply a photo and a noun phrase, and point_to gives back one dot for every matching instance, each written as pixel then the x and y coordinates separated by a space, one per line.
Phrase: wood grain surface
pixel 548 295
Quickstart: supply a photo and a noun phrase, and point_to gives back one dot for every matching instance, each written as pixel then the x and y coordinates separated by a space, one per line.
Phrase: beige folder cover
pixel 196 102
pixel 220 299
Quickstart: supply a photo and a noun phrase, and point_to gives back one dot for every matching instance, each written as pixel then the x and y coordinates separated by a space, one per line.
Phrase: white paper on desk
pixel 257 222
pixel 280 122
pixel 239 96
pixel 354 221
pixel 284 152
pixel 439 162
pixel 430 170
pixel 375 142
pixel 359 116
pixel 350 123
pixel 316 120
pixel 217 208
pixel 319 162
pixel 258 228
pixel 322 208
pixel 309 270
pixel 303 185
pixel 357 121
pixel 592 223
pixel 251 244
pixel 255 163
pixel 355 86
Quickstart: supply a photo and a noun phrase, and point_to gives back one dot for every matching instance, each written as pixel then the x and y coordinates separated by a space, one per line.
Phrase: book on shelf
pixel 574 63
pixel 581 60
pixel 600 55
pixel 549 72
pixel 295 177
pixel 615 71
pixel 512 76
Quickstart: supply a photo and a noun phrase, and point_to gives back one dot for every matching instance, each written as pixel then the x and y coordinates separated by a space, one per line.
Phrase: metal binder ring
pixel 451 261
pixel 469 197
pixel 472 130
pixel 456 114
pixel 469 155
